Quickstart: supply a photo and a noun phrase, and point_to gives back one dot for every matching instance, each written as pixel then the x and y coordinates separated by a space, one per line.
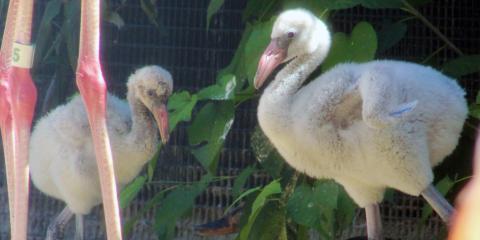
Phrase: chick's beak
pixel 160 113
pixel 270 59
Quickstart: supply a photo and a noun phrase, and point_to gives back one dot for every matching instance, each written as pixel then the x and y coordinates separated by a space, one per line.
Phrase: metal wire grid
pixel 183 46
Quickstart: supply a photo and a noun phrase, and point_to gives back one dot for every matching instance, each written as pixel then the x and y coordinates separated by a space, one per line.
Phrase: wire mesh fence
pixel 182 44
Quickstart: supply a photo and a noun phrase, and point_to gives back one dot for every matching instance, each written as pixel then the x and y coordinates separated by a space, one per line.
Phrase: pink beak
pixel 160 113
pixel 270 59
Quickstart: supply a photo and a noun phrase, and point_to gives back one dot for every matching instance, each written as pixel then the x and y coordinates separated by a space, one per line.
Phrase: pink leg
pixel 93 90
pixel 5 100
pixel 24 97
pixel 18 97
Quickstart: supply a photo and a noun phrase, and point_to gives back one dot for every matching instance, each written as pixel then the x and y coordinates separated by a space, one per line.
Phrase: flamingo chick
pixel 62 158
pixel 368 126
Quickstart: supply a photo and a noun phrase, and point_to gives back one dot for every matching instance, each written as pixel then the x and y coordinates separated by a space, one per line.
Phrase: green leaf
pixel 316 7
pixel 259 10
pixel 213 8
pixel 270 223
pixel 443 186
pixel 152 164
pixel 315 206
pixel 211 126
pixel 130 223
pixel 175 205
pixel 180 106
pixel 390 34
pixel 474 110
pixel 52 10
pixel 360 46
pixel 344 4
pixel 150 9
pixel 70 30
pixel 462 66
pixel 255 45
pixel 381 3
pixel 271 189
pixel 131 191
pixel 337 4
pixel 346 208
pixel 242 196
pixel 223 90
pixel 241 179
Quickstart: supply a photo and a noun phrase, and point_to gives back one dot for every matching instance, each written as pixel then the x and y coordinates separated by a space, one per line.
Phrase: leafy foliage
pixel 282 208
pixel 213 7
pixel 360 46
pixel 175 205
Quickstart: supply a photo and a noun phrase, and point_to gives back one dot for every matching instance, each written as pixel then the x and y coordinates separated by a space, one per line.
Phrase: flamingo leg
pixel 57 227
pixel 438 203
pixel 5 100
pixel 93 90
pixel 79 222
pixel 18 99
pixel 374 222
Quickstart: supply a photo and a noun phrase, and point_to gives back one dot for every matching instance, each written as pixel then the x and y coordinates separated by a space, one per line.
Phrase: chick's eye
pixel 290 34
pixel 150 93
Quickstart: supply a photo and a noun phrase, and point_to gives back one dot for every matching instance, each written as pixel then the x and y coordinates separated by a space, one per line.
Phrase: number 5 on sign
pixel 23 55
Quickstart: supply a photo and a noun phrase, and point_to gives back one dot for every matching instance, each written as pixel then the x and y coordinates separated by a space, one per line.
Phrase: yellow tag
pixel 22 55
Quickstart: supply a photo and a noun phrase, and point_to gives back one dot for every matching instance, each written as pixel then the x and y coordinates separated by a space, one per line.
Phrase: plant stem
pixel 290 187
pixel 409 8
pixel 433 54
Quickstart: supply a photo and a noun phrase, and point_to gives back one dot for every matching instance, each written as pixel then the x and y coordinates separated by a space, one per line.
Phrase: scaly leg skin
pixel 56 229
pixel 5 101
pixel 374 222
pixel 438 203
pixel 92 87
pixel 79 230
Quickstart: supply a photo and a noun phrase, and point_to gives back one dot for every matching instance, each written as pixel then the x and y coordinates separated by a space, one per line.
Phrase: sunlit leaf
pixel 223 90
pixel 213 8
pixel 270 189
pixel 180 106
pixel 243 195
pixel 175 205
pixel 131 191
pixel 463 65
pixel 360 46
pixel 210 128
